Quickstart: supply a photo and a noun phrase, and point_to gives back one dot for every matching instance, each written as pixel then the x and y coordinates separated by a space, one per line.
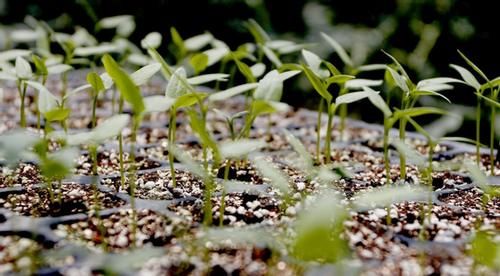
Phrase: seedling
pixel 494 87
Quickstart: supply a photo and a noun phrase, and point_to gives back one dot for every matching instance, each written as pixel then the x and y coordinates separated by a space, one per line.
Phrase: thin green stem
pixel 402 157
pixel 318 131
pixel 492 134
pixel 22 94
pixel 478 131
pixel 120 148
pixel 386 152
pixel 328 138
pixel 135 126
pixel 171 141
pixel 223 197
pixel 343 115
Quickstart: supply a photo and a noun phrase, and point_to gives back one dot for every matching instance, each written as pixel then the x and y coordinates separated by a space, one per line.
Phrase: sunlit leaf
pixel 57 114
pixel 386 196
pixel 473 66
pixel 176 87
pixel 95 81
pixel 188 99
pixel 46 100
pixel 9 55
pixel 317 84
pixel 272 56
pixel 239 148
pixel 110 128
pixel 195 43
pixel 14 143
pixel 353 97
pixel 201 79
pixel 59 69
pixel 157 103
pixel 258 69
pixel 102 49
pixel 338 49
pixel 314 62
pixel 151 40
pixel 23 69
pixel 129 91
pixel 199 62
pixel 141 76
pixel 360 83
pixel 215 55
pixel 231 92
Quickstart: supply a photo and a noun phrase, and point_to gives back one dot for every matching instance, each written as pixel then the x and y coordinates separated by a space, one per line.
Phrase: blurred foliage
pixel 422 34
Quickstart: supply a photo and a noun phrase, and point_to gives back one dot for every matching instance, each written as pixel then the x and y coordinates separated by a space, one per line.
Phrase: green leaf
pixel 418 111
pixel 231 92
pixel 317 84
pixel 57 114
pixel 201 79
pixel 260 107
pixel 14 144
pixel 110 128
pixel 338 49
pixel 398 65
pixel 314 62
pixel 411 154
pixel 372 67
pixel 467 76
pixel 193 166
pixel 59 69
pixel 197 42
pixel 480 179
pixel 215 55
pixel 399 80
pixel 198 126
pixel 379 102
pixel 129 91
pixel 58 165
pixel 339 79
pixel 473 66
pixel 244 70
pixel 176 87
pixel 270 87
pixel 157 103
pixel 360 83
pixel 277 177
pixel 485 250
pixel 239 148
pixel 306 164
pixel 141 76
pixel 9 55
pixel 178 41
pixel 272 56
pixel 41 68
pixel 430 93
pixel 102 49
pixel 46 100
pixel 189 99
pixel 258 69
pixel 151 40
pixel 7 76
pixel 23 69
pixel 493 83
pixel 95 81
pixel 386 196
pixel 199 62
pixel 490 101
pixel 165 68
pixel 260 36
pixel 353 97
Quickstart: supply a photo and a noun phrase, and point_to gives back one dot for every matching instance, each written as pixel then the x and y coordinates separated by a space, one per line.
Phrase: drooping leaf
pixel 199 62
pixel 360 83
pixel 23 69
pixel 129 91
pixel 231 92
pixel 157 103
pixel 277 178
pixel 189 99
pixel 411 154
pixel 141 76
pixel 338 79
pixel 314 62
pixel 317 84
pixel 201 79
pixel 473 66
pixel 467 76
pixel 353 97
pixel 12 54
pixel 239 148
pixel 272 56
pixel 386 196
pixel 57 114
pixel 95 81
pixel 260 36
pixel 151 40
pixel 270 87
pixel 258 69
pixel 46 100
pixel 338 49
pixel 379 102
pixel 215 55
pixel 398 80
pixel 176 87
pixel 418 111
pixel 59 69
pixel 195 43
pixel 306 162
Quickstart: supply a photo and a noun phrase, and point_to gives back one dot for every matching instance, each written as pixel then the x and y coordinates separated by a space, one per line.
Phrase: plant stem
pixel 207 212
pixel 402 157
pixel 492 135
pixel 22 93
pixel 318 131
pixel 328 138
pixel 386 152
pixel 120 149
pixel 223 198
pixel 133 138
pixel 343 115
pixel 171 141
pixel 478 130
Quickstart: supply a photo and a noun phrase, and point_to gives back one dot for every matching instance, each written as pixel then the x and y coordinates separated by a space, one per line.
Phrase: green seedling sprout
pixel 411 93
pixel 351 69
pixel 230 120
pixel 494 87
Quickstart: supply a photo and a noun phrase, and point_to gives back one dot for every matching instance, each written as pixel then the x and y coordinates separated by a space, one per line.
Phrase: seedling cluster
pixel 197 84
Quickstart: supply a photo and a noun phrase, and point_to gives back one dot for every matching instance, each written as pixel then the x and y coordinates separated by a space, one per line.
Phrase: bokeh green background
pixel 422 34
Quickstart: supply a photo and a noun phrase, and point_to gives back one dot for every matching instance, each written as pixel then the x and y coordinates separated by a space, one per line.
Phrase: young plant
pixel 494 87
pixel 411 93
